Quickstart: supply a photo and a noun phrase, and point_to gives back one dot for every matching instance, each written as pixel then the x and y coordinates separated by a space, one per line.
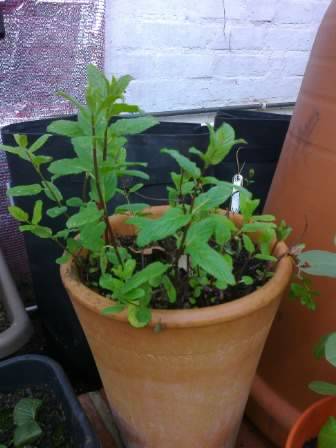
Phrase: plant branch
pixel 101 204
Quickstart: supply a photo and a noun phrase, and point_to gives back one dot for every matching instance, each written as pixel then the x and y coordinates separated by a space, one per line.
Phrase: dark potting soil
pixel 4 321
pixel 165 251
pixel 50 417
pixel 311 444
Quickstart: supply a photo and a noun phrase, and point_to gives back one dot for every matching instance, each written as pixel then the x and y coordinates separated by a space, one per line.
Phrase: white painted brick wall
pixel 191 54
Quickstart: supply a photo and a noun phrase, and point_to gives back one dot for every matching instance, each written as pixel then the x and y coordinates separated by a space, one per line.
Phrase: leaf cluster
pixel 210 254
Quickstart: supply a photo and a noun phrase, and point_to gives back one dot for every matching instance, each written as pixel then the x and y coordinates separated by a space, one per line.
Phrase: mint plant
pixel 194 255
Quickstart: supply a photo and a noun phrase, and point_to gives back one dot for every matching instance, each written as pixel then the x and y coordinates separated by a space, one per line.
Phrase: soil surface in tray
pixel 50 417
pixel 310 444
pixel 4 322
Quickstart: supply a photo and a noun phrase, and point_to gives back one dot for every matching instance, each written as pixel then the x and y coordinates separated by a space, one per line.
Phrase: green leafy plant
pixel 194 255
pixel 27 430
pixel 326 348
pixel 323 263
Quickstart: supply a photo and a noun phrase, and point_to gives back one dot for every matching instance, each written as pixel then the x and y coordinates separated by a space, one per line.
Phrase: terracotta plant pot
pixel 311 422
pixel 186 385
pixel 302 193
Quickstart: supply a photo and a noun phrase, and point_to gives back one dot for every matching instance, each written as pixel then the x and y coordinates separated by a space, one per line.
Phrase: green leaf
pixel 41 231
pixel 323 388
pixel 214 197
pixel 27 434
pixel 51 191
pixel 283 231
pixel 135 188
pixel 65 127
pixel 221 142
pixel 37 212
pixel 86 215
pixel 327 435
pixel 21 140
pixel 66 167
pixel 24 190
pixel 91 235
pixel 83 149
pixel 170 288
pixel 247 280
pixel 318 262
pixel 63 259
pixel 114 309
pixel 248 244
pixel 74 202
pixel 18 213
pixel 264 218
pixel 330 349
pixel 39 143
pixel 248 207
pixel 157 229
pixel 20 152
pixel 123 82
pixel 186 164
pixel 40 160
pixel 212 262
pixel 131 208
pixel 107 281
pixel 139 317
pixel 135 294
pixel 319 349
pixel 97 80
pixel 26 410
pixel 223 228
pixel 258 227
pixel 304 292
pixel 120 108
pixel 200 231
pixel 152 270
pixel 136 173
pixel 196 152
pixel 71 99
pixel 56 211
pixel 131 126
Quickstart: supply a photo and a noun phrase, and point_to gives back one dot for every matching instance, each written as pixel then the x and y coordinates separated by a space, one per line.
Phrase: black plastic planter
pixel 32 370
pixel 265 133
pixel 66 338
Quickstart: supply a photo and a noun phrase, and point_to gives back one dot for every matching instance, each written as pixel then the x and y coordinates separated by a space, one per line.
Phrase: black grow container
pixel 66 338
pixel 265 133
pixel 33 370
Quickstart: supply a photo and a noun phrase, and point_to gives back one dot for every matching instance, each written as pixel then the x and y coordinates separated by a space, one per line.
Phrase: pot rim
pixel 182 318
pixel 301 421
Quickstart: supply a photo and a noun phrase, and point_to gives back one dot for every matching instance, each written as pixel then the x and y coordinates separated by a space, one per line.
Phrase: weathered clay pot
pixel 187 385
pixel 302 193
pixel 310 423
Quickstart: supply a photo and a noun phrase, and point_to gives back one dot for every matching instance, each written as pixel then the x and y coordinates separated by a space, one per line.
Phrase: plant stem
pixel 84 190
pixel 105 144
pixel 101 204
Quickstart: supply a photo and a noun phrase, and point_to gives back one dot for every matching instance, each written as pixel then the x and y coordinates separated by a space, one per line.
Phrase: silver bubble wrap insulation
pixel 47 46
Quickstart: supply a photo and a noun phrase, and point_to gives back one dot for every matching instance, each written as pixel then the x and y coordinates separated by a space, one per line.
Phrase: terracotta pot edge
pixel 300 422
